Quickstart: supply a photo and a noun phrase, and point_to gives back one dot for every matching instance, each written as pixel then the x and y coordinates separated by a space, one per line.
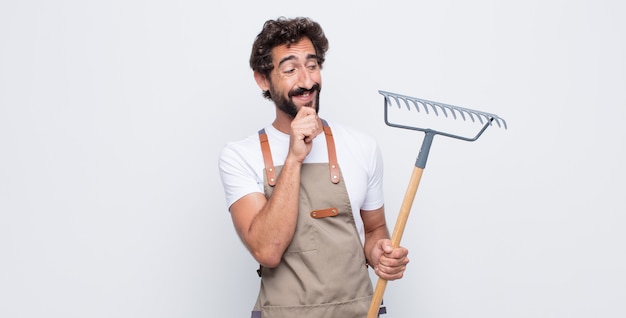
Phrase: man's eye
pixel 289 71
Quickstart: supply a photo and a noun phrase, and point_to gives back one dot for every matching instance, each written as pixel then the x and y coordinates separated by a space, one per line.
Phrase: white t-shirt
pixel 241 166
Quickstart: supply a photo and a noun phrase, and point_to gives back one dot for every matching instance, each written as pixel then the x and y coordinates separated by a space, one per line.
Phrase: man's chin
pixel 311 105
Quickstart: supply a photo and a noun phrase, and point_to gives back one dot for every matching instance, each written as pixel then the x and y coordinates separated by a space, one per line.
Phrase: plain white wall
pixel 112 114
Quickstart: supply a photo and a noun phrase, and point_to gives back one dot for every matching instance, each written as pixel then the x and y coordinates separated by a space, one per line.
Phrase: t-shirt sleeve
pixel 374 197
pixel 237 173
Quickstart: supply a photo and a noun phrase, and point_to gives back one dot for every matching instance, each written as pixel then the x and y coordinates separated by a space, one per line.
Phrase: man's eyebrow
pixel 311 56
pixel 286 58
pixel 293 57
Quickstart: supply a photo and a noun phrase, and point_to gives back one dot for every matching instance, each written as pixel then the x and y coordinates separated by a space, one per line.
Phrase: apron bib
pixel 323 272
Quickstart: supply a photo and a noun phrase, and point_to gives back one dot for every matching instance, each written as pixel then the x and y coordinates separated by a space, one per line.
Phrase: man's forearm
pixel 274 226
pixel 371 238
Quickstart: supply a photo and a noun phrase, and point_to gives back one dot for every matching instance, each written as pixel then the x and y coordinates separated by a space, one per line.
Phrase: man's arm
pixel 389 263
pixel 267 227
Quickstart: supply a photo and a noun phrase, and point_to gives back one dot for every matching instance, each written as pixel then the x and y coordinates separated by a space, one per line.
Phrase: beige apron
pixel 323 272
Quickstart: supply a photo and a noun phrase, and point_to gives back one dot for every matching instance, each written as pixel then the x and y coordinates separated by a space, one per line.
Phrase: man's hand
pixel 389 263
pixel 304 128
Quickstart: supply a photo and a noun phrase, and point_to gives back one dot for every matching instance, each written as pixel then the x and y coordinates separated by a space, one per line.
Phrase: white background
pixel 112 115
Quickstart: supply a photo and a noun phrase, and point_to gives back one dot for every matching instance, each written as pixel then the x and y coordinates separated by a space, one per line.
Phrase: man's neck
pixel 282 122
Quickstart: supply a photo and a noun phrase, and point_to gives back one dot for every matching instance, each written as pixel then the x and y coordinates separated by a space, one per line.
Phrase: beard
pixel 286 104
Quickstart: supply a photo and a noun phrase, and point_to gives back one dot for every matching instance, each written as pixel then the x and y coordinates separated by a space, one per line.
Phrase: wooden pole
pixel 396 236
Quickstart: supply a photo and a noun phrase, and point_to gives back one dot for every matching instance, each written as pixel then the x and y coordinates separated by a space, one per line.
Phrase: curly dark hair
pixel 285 31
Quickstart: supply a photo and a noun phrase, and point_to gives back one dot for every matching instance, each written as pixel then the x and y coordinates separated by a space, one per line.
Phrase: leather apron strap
pixel 270 171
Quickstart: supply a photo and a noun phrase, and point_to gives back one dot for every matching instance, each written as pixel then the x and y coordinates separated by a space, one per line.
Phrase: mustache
pixel 299 91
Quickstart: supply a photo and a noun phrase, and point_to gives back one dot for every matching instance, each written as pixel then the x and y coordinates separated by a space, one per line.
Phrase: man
pixel 305 196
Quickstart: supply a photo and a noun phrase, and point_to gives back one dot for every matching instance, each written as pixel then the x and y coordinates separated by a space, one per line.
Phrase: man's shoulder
pixel 242 147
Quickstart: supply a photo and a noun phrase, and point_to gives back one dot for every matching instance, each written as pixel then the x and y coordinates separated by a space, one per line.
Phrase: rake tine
pixel 463 111
pixel 398 102
pixel 460 113
pixel 388 100
pixel 417 106
pixel 498 119
pixel 472 117
pixel 434 109
pixel 406 102
pixel 446 113
pixel 425 106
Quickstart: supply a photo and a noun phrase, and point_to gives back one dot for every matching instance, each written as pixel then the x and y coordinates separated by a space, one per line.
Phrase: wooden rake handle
pixel 403 216
pixel 398 230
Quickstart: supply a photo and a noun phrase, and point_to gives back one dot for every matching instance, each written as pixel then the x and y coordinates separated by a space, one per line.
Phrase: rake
pixel 428 108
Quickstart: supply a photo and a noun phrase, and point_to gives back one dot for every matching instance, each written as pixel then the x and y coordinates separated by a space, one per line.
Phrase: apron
pixel 323 272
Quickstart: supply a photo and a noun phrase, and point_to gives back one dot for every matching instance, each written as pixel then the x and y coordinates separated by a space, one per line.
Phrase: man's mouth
pixel 304 96
pixel 301 92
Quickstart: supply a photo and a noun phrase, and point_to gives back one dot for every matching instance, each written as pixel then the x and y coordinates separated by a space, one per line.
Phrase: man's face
pixel 295 80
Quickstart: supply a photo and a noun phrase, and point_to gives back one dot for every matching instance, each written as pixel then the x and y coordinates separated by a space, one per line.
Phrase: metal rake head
pixel 436 108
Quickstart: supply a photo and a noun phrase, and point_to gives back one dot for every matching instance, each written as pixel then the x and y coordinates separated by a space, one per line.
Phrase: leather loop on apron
pixel 318 214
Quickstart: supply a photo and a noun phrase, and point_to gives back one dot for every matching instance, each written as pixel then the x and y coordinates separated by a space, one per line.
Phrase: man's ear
pixel 262 81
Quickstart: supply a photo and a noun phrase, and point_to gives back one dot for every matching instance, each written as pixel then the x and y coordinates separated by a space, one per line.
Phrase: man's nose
pixel 305 79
